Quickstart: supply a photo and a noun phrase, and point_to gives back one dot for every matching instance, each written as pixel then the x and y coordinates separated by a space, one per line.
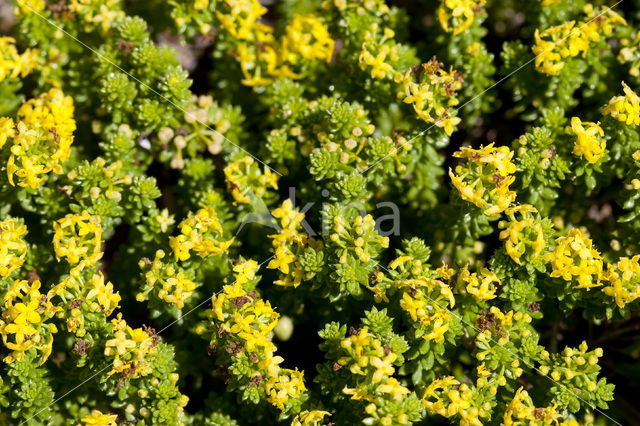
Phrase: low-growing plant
pixel 321 212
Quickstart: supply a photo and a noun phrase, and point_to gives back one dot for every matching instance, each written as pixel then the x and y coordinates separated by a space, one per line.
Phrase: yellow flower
pixel 200 4
pixel 308 37
pixel 288 384
pixel 379 68
pixel 383 366
pixel 379 53
pixel 132 350
pixel 548 59
pixel 484 180
pixel 309 418
pixel 104 15
pixel 201 232
pixel 241 18
pixel 78 238
pixel 42 139
pixel 244 325
pixel 13 64
pixel 457 15
pixel 13 248
pixel 519 235
pixel 393 388
pixel 468 192
pixel 261 56
pixel 623 279
pixel 23 325
pixel 290 220
pixel 166 282
pixel 31 6
pixel 522 411
pixel 245 179
pixel 103 294
pixel 433 95
pixel 98 419
pixel 435 322
pixel 447 397
pixel 283 258
pixel 482 285
pixel 7 130
pixel 623 108
pixel 245 271
pixel 289 244
pixel 120 343
pixel 574 256
pixel 590 141
pixel 571 39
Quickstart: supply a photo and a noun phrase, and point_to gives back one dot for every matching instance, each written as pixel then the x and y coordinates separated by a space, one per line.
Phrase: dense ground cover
pixel 319 212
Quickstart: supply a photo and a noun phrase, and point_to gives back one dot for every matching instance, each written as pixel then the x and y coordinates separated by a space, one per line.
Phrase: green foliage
pixel 319 212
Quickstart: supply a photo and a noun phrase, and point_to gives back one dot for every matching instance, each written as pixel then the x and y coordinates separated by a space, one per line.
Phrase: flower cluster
pixel 245 180
pixel 163 279
pixel 590 142
pixel 78 238
pixel 307 37
pixel 522 410
pixel 485 179
pixel 432 93
pixel 625 108
pixel 428 88
pixel 623 280
pixel 131 349
pixel 309 418
pixel 418 299
pixel 502 336
pixel 448 397
pixel 456 16
pixel 13 247
pixel 24 322
pixel 14 64
pixel 98 418
pixel 424 295
pixel 366 367
pixel 575 258
pixel 482 285
pixel 523 233
pixel 261 56
pixel 379 54
pixel 200 232
pixel 99 15
pixel 289 244
pixel 570 39
pixel 41 138
pixel 150 152
pixel 83 298
pixel 499 338
pixel 243 327
pixel 366 356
